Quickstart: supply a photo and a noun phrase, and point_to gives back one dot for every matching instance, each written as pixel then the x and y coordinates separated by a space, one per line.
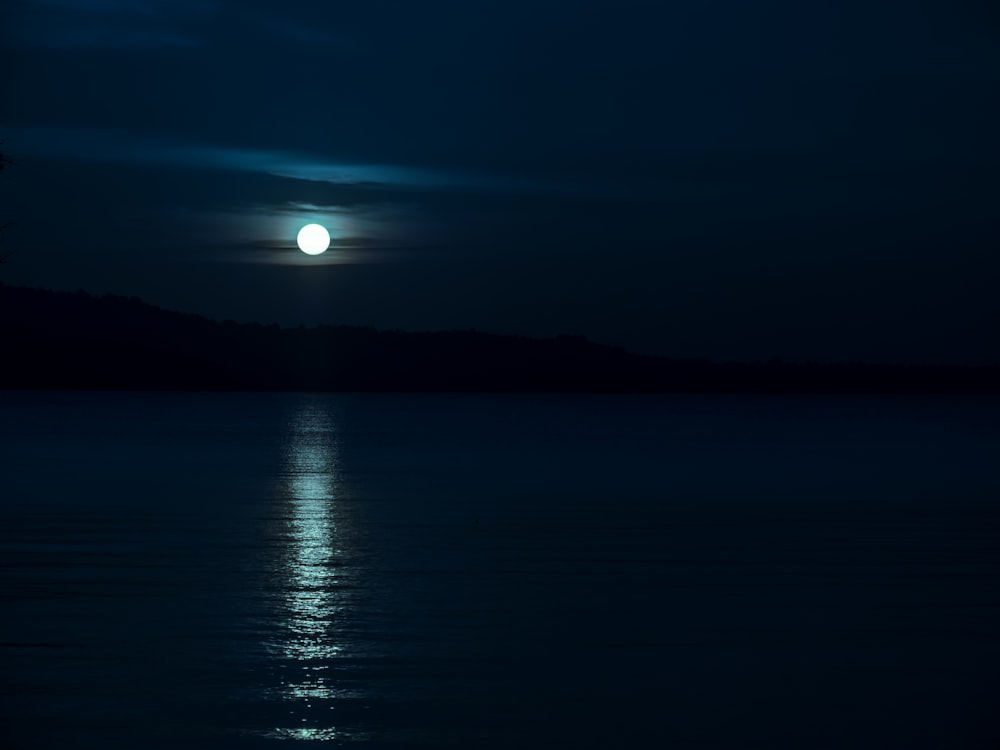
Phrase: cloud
pixel 106 38
pixel 295 30
pixel 138 24
pixel 113 146
pixel 235 199
pixel 264 233
pixel 134 7
pixel 111 24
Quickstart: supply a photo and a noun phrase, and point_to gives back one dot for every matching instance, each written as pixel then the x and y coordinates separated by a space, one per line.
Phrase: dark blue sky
pixel 734 180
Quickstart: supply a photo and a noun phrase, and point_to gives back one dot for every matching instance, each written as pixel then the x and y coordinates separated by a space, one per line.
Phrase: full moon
pixel 313 239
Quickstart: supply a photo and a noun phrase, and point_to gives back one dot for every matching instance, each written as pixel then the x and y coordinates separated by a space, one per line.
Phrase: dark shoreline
pixel 76 341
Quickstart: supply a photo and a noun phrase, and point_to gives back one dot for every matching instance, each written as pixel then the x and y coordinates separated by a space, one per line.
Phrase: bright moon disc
pixel 313 239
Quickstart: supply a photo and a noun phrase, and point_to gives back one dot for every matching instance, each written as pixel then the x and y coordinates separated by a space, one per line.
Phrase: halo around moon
pixel 313 239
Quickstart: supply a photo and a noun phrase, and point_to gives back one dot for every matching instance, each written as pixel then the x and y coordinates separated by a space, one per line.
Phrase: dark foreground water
pixel 253 571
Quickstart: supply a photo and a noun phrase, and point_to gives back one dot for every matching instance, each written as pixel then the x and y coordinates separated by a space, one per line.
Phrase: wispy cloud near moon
pixel 102 145
pixel 248 204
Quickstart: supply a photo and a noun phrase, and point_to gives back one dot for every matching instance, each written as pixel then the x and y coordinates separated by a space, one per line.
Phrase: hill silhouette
pixel 74 340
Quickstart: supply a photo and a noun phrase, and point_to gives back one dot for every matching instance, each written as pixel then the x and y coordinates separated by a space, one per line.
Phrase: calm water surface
pixel 390 571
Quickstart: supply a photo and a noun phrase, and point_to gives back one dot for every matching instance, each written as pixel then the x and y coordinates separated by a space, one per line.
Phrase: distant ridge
pixel 73 340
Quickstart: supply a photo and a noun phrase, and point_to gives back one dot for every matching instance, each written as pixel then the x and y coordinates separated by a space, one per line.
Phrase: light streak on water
pixel 313 578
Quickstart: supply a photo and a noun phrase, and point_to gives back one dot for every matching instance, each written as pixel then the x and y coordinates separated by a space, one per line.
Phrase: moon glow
pixel 313 239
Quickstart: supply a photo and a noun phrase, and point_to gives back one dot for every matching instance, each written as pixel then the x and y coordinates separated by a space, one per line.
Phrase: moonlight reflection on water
pixel 313 579
pixel 498 572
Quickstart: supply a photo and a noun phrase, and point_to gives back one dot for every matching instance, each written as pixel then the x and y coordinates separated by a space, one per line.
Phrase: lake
pixel 477 571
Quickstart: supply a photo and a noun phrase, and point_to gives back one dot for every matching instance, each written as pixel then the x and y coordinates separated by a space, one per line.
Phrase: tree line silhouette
pixel 67 340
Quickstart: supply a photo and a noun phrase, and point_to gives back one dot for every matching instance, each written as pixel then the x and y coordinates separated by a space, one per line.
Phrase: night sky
pixel 721 178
